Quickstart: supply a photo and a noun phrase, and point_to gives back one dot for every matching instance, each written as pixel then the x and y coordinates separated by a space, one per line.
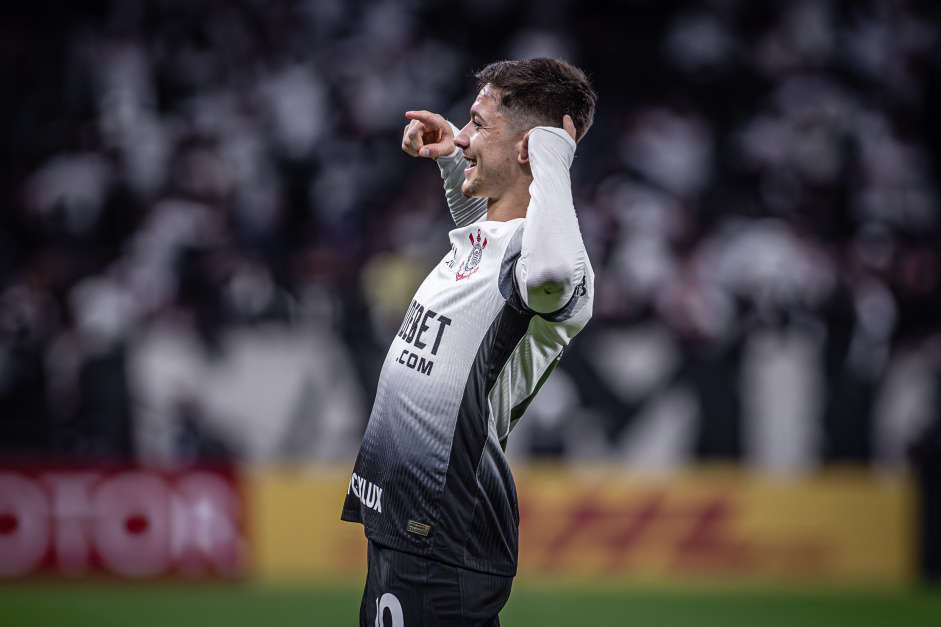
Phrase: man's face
pixel 491 147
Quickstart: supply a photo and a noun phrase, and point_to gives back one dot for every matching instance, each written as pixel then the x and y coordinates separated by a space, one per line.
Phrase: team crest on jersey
pixel 472 264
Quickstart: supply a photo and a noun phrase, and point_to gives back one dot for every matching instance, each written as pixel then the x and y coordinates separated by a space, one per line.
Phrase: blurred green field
pixel 244 606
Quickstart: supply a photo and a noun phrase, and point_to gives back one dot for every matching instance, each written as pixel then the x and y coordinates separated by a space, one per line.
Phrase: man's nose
pixel 461 139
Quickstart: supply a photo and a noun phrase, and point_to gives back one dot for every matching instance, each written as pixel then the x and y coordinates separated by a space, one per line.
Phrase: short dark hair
pixel 539 92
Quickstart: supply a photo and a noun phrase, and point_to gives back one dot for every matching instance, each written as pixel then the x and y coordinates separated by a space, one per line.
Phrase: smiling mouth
pixel 471 164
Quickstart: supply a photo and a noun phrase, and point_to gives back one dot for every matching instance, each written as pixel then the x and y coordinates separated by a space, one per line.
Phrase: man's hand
pixel 427 135
pixel 567 125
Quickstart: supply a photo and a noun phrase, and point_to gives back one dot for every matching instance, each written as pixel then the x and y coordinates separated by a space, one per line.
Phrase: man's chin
pixel 469 191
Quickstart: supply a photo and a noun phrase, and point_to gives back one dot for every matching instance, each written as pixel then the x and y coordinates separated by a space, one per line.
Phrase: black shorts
pixel 413 591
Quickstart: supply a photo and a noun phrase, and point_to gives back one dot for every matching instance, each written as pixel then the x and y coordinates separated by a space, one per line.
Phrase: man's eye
pixel 476 124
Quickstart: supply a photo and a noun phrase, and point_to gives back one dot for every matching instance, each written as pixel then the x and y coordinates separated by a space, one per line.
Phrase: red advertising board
pixel 120 521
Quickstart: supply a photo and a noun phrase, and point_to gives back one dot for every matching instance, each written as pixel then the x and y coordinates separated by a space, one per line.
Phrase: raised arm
pixel 553 260
pixel 430 135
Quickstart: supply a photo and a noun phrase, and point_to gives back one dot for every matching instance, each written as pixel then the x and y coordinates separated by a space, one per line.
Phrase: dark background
pixel 183 181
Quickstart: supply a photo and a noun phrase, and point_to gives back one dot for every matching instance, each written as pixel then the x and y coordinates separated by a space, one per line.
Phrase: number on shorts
pixel 390 602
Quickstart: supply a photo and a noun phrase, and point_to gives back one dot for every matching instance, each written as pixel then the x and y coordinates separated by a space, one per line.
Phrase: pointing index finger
pixel 422 116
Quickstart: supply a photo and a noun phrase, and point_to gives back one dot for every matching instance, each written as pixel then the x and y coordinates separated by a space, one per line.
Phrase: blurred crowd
pixel 209 233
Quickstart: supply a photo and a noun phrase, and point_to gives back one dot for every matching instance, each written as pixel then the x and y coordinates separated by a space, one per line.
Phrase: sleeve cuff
pixel 552 139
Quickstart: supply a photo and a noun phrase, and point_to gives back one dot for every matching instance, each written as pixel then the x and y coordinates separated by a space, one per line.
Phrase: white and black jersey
pixel 431 477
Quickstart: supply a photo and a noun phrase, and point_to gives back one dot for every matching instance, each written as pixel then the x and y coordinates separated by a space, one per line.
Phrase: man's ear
pixel 523 156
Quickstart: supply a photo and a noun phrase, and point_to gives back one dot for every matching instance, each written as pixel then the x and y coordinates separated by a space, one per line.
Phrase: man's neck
pixel 509 206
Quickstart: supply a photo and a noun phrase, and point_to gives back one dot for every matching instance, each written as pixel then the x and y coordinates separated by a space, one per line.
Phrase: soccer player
pixel 431 483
